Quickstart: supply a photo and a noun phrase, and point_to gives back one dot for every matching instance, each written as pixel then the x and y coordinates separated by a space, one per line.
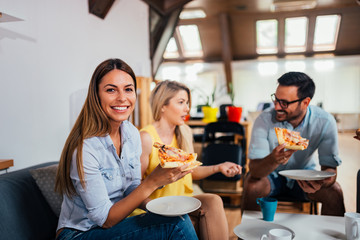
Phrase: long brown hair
pixel 160 96
pixel 92 121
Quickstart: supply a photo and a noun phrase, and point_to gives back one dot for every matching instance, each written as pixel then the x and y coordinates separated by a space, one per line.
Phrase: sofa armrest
pixel 25 214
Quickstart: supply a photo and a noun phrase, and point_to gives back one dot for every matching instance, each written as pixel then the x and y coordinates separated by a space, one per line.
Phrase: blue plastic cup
pixel 268 207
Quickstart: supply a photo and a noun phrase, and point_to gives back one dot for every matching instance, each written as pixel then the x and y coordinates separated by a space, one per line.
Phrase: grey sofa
pixel 24 212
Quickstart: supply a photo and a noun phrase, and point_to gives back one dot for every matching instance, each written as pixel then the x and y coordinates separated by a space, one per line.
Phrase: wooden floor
pixel 350 155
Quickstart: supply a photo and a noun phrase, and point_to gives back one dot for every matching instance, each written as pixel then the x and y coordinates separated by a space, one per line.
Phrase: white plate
pixel 254 229
pixel 306 174
pixel 172 206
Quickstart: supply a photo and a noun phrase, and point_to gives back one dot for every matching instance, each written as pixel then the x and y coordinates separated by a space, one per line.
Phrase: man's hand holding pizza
pixel 280 155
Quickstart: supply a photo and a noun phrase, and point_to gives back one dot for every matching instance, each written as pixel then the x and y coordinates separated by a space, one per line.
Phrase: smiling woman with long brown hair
pixel 99 169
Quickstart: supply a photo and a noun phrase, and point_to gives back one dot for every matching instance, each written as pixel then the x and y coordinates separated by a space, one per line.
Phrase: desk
pixel 199 123
pixel 303 225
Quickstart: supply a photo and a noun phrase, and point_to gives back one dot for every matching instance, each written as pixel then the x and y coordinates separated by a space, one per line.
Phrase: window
pixel 190 39
pixel 266 36
pixel 171 50
pixel 326 32
pixel 189 44
pixel 295 34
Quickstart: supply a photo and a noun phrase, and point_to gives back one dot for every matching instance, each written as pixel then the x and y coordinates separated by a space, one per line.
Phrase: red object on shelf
pixel 234 114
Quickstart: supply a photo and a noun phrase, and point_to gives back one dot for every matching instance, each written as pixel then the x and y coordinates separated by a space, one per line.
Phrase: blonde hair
pixel 160 96
pixel 92 121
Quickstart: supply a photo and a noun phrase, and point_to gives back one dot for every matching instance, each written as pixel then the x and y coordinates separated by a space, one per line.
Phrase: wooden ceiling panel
pixel 243 15
pixel 243 37
pixel 243 31
pixel 210 36
pixel 349 32
pixel 165 7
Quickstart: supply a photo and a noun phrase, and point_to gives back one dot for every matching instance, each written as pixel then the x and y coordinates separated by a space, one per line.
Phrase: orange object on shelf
pixel 6 163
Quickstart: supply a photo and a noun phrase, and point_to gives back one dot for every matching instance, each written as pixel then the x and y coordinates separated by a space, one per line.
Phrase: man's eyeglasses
pixel 283 103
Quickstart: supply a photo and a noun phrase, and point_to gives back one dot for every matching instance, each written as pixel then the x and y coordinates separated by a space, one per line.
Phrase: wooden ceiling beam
pixel 100 7
pixel 164 7
pixel 281 37
pixel 226 48
pixel 310 35
pixel 160 37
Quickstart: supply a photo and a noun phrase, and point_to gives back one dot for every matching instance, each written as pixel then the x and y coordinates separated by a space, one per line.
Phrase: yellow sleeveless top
pixel 182 187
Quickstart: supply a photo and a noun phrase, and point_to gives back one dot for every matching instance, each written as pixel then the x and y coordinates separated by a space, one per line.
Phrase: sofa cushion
pixel 45 179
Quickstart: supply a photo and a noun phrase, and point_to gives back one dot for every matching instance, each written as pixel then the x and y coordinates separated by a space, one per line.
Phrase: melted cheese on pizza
pixel 171 154
pixel 291 138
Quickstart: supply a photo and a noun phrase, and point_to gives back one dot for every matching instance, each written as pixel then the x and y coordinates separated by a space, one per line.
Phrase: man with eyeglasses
pixel 292 111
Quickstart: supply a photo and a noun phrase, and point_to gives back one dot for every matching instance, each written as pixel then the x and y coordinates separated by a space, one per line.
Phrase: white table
pixel 304 226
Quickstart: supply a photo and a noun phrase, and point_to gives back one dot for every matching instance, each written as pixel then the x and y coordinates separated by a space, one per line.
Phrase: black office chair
pixel 223 113
pixel 219 145
pixel 224 141
pixel 216 153
pixel 224 132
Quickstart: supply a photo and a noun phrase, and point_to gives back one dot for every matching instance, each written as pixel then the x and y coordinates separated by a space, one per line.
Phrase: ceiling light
pixel 292 5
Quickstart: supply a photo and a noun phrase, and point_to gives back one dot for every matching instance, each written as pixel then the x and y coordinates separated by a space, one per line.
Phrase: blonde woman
pixel 170 103
pixel 99 170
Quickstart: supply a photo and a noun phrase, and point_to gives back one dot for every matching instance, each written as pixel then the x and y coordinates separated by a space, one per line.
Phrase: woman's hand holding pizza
pixel 163 176
pixel 281 156
pixel 229 169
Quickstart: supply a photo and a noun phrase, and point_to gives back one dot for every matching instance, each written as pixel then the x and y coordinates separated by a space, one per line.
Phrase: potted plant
pixel 209 112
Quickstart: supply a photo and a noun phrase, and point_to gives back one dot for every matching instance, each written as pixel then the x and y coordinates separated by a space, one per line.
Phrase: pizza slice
pixel 292 139
pixel 171 157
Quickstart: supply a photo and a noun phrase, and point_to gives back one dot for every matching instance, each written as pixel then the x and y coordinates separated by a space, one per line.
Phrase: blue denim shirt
pixel 318 126
pixel 108 179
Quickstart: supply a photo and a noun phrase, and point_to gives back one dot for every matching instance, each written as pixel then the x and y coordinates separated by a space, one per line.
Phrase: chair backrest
pixel 223 132
pixel 223 112
pixel 216 153
pixel 219 146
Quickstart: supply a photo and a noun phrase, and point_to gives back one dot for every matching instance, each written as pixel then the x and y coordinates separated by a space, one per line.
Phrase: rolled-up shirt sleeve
pixel 328 148
pixel 95 195
pixel 259 144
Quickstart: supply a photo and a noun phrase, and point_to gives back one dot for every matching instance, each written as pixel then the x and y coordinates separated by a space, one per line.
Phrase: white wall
pixel 49 56
pixel 337 80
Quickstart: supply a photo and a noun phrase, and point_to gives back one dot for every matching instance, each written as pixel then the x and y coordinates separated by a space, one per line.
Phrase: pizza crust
pixel 295 147
pixel 167 160
pixel 279 135
pixel 193 164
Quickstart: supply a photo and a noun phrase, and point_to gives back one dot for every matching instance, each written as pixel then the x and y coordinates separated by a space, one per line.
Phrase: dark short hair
pixel 305 85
